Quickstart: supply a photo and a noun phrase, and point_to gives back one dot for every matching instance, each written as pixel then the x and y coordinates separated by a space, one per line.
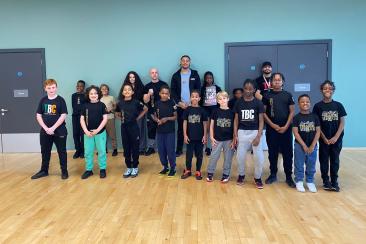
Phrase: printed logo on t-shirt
pixel 330 116
pixel 247 114
pixel 194 118
pixel 307 126
pixel 50 109
pixel 223 123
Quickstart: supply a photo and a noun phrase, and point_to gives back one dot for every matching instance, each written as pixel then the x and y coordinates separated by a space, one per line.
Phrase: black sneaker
pixel 171 173
pixel 87 174
pixel 164 171
pixel 209 177
pixel 142 153
pixel 76 155
pixel 240 180
pixel 258 183
pixel 149 151
pixel 114 153
pixel 224 179
pixel 198 175
pixel 271 178
pixel 335 187
pixel 40 174
pixel 208 151
pixel 178 153
pixel 102 173
pixel 290 182
pixel 81 155
pixel 327 186
pixel 64 175
pixel 186 174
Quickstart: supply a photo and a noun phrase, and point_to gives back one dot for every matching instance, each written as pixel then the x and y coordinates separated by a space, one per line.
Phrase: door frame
pixel 276 43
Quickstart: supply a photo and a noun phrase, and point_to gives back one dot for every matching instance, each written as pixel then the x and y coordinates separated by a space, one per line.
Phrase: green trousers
pixel 98 141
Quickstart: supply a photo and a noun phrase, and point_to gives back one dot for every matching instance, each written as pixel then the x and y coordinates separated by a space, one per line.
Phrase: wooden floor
pixel 156 209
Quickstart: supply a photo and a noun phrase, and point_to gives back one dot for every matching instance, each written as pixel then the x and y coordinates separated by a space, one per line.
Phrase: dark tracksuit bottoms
pixel 166 151
pixel 46 142
pixel 195 146
pixel 130 134
pixel 329 156
pixel 78 134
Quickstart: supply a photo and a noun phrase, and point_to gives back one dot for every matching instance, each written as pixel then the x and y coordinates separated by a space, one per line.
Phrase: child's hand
pixel 276 127
pixel 88 133
pixel 49 131
pixel 163 120
pixel 232 145
pixel 305 148
pixel 256 141
pixel 213 142
pixel 282 129
pixel 159 122
pixel 94 132
pixel 326 141
pixel 204 140
pixel 186 140
pixel 235 141
pixel 333 140
pixel 310 149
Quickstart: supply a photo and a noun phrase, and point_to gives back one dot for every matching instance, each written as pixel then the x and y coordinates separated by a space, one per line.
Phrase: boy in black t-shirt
pixel 221 133
pixel 279 111
pixel 306 129
pixel 194 131
pixel 332 119
pixel 51 114
pixel 77 101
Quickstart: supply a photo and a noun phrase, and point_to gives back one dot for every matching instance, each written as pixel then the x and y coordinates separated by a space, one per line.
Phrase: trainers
pixel 300 186
pixel 198 175
pixel 258 183
pixel 102 173
pixel 171 173
pixel 127 173
pixel 178 153
pixel 271 178
pixel 135 172
pixel 40 174
pixel 76 155
pixel 64 175
pixel 224 179
pixel 81 155
pixel 87 174
pixel 290 182
pixel 335 187
pixel 164 171
pixel 311 187
pixel 186 174
pixel 142 153
pixel 149 151
pixel 240 180
pixel 209 177
pixel 114 153
pixel 208 151
pixel 327 186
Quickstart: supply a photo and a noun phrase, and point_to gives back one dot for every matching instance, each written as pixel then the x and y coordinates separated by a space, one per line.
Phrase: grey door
pixel 21 76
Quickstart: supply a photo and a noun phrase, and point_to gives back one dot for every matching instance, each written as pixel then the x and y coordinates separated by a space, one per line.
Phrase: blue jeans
pixel 309 160
pixel 166 145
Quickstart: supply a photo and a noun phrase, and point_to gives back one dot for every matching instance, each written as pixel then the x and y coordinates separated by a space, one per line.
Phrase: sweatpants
pixel 277 143
pixel 111 132
pixel 215 156
pixel 142 130
pixel 130 134
pixel 78 134
pixel 166 151
pixel 46 142
pixel 329 159
pixel 151 131
pixel 245 139
pixel 90 143
pixel 195 146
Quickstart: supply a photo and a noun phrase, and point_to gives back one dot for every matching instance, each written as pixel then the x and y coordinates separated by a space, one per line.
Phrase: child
pixel 280 109
pixel 51 114
pixel 306 129
pixel 110 127
pixel 209 101
pixel 221 133
pixel 194 131
pixel 332 119
pixel 237 94
pixel 93 120
pixel 130 110
pixel 248 129
pixel 77 101
pixel 165 116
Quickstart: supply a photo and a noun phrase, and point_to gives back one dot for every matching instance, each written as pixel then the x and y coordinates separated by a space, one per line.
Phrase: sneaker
pixel 198 175
pixel 87 174
pixel 240 180
pixel 171 173
pixel 271 178
pixel 64 175
pixel 142 153
pixel 76 155
pixel 300 186
pixel 127 173
pixel 290 182
pixel 224 179
pixel 149 151
pixel 164 171
pixel 81 155
pixel 114 153
pixel 335 187
pixel 178 153
pixel 327 186
pixel 258 183
pixel 135 172
pixel 209 177
pixel 102 173
pixel 208 151
pixel 311 187
pixel 186 174
pixel 40 174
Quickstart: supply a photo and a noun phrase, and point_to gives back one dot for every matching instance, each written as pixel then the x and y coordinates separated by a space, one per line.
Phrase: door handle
pixel 4 110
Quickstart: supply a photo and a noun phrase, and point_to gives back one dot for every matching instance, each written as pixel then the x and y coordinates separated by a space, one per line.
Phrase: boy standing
pixel 78 101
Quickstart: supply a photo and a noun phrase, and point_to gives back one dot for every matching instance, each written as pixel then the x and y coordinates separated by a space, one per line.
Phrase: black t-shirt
pixel 165 109
pixel 155 97
pixel 278 106
pixel 195 116
pixel 330 115
pixel 306 125
pixel 77 100
pixel 93 115
pixel 248 113
pixel 51 110
pixel 262 84
pixel 223 124
pixel 232 102
pixel 129 110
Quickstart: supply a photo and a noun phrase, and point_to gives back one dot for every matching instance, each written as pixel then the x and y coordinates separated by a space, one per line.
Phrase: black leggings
pixel 329 158
pixel 130 134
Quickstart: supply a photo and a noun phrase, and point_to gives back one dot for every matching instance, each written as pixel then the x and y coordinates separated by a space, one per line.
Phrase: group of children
pixel 237 128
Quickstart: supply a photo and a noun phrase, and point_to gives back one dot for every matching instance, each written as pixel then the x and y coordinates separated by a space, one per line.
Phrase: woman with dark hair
pixel 133 79
pixel 208 99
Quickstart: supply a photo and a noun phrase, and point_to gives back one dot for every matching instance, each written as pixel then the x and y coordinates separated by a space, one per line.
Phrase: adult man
pixel 264 80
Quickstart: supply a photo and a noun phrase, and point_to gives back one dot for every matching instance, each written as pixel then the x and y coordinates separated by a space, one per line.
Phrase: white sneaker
pixel 127 173
pixel 135 172
pixel 312 187
pixel 300 186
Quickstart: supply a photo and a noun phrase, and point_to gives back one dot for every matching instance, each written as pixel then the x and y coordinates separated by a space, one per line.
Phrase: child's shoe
pixel 209 177
pixel 240 180
pixel 164 171
pixel 127 173
pixel 134 172
pixel 171 173
pixel 311 187
pixel 335 187
pixel 64 174
pixel 102 174
pixel 186 174
pixel 87 174
pixel 198 175
pixel 224 179
pixel 300 186
pixel 258 183
pixel 40 174
pixel 327 186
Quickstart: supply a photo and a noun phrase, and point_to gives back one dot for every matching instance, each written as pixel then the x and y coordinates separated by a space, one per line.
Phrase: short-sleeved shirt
pixel 306 125
pixel 108 101
pixel 330 115
pixel 195 116
pixel 278 106
pixel 155 97
pixel 129 110
pixel 165 109
pixel 263 85
pixel 77 101
pixel 93 115
pixel 51 110
pixel 223 124
pixel 248 113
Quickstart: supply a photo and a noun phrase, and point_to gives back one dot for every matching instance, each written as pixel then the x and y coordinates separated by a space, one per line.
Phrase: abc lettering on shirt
pixel 247 114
